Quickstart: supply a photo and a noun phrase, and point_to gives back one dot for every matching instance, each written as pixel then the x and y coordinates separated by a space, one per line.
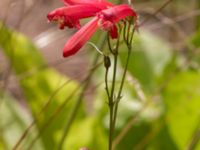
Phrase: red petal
pixel 101 3
pixel 80 38
pixel 116 13
pixel 69 16
pixel 113 32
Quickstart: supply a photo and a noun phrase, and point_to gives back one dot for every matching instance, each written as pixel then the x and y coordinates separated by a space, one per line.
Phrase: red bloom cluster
pixel 105 16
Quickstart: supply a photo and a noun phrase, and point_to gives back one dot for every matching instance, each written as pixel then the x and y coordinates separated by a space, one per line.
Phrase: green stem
pixel 111 102
pixel 114 77
pixel 106 83
pixel 111 127
pixel 124 74
pixel 109 44
pixel 121 87
pixel 124 32
pixel 111 97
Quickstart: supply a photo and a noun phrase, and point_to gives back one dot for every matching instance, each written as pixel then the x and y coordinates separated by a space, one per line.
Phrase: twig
pixel 156 12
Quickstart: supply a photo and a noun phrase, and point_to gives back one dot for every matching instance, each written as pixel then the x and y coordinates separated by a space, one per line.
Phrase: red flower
pixel 80 38
pixel 70 16
pixel 106 19
pixel 106 16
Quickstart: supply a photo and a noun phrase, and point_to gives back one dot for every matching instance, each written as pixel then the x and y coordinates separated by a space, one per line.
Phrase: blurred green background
pixel 46 97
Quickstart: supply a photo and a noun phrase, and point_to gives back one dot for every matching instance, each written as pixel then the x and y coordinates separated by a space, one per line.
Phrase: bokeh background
pixel 61 102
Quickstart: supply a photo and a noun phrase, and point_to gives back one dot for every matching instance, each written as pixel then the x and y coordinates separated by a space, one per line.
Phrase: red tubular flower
pixel 80 38
pixel 70 16
pixel 109 17
pixel 106 19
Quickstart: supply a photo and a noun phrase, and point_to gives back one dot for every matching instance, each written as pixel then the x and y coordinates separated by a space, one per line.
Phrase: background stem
pixel 79 100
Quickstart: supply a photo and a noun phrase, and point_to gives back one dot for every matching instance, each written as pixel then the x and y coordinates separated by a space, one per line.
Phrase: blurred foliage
pixel 14 121
pixel 148 50
pixel 161 98
pixel 40 84
pixel 184 120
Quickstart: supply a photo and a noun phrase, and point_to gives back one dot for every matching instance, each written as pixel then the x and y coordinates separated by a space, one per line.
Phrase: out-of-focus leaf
pixel 149 57
pixel 135 135
pixel 87 133
pixel 13 121
pixel 182 99
pixel 161 138
pixel 39 83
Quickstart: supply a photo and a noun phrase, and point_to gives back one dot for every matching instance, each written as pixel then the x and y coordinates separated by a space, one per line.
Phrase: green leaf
pixel 135 135
pixel 161 139
pixel 13 121
pixel 20 51
pixel 182 99
pixel 39 83
pixel 87 133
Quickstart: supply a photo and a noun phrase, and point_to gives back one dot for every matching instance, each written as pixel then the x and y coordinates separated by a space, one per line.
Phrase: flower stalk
pixel 114 97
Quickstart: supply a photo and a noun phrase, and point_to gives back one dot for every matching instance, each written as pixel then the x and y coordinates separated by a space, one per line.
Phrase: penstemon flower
pixel 105 16
pixel 70 15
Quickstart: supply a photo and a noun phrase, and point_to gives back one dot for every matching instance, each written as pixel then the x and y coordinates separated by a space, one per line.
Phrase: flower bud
pixel 107 62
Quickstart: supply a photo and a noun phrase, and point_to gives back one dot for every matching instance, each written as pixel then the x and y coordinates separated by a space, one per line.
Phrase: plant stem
pixel 106 83
pixel 121 86
pixel 111 127
pixel 111 102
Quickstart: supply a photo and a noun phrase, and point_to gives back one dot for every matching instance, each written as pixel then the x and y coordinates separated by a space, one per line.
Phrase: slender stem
pixel 114 76
pixel 124 74
pixel 132 33
pixel 109 44
pixel 121 87
pixel 129 27
pixel 111 97
pixel 124 32
pixel 106 82
pixel 111 127
pixel 111 102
